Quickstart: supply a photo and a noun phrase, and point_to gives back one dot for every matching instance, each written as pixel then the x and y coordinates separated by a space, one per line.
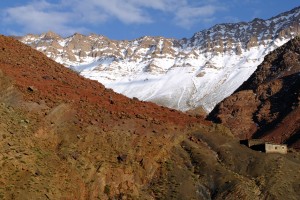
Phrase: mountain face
pixel 67 137
pixel 182 74
pixel 267 104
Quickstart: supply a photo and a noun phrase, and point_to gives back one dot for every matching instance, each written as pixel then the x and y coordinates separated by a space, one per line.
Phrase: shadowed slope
pixel 267 104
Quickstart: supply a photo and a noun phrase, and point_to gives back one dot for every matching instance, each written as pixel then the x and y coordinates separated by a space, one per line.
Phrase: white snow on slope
pixel 179 87
pixel 181 74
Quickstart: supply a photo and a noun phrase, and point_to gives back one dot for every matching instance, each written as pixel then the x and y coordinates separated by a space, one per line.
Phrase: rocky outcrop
pixel 267 104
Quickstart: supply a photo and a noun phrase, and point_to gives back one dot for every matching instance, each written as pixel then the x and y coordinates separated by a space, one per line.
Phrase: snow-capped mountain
pixel 181 74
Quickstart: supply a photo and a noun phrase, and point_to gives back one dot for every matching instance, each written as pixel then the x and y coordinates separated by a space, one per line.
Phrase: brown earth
pixel 66 137
pixel 267 104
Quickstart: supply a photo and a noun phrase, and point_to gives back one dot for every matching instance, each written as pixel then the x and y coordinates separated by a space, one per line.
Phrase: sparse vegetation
pixel 107 189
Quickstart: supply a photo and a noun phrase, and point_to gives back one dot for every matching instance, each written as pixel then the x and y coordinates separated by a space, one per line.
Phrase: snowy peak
pixel 237 36
pixel 182 74
pixel 221 38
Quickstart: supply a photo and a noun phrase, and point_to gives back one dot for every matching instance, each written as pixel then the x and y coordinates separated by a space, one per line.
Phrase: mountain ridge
pixel 182 74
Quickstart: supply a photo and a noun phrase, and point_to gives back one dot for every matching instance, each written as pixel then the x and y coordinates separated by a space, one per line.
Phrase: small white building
pixel 267 147
pixel 276 148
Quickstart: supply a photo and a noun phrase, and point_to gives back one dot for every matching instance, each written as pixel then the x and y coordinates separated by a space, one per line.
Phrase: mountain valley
pixel 67 137
pixel 87 117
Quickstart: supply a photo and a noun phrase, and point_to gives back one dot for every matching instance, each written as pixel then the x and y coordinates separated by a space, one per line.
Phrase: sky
pixel 131 19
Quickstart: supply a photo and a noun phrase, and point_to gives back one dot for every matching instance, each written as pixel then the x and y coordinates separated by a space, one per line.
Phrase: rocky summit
pixel 63 136
pixel 182 74
pixel 267 104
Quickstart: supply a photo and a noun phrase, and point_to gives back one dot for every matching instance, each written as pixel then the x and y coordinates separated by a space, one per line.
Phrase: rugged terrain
pixel 181 74
pixel 267 104
pixel 66 137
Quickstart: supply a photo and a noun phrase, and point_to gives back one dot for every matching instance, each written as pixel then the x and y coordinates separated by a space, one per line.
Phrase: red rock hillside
pixel 267 104
pixel 62 108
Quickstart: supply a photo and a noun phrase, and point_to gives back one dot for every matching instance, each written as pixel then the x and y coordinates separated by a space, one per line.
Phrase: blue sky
pixel 130 19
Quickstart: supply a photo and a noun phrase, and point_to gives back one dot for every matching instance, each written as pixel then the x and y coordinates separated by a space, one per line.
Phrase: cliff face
pixel 267 104
pixel 182 74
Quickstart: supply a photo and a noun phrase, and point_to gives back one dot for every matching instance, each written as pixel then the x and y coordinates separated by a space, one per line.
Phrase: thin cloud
pixel 68 16
pixel 162 5
pixel 188 16
pixel 40 17
pixel 127 13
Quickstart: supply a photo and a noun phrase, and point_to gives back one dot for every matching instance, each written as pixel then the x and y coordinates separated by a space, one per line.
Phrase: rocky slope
pixel 63 136
pixel 66 137
pixel 267 104
pixel 182 74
